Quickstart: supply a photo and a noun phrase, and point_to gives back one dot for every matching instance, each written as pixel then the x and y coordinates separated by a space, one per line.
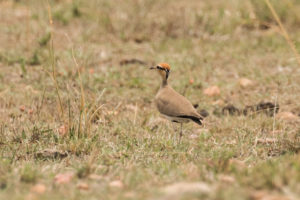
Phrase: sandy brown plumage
pixel 171 104
pixel 174 105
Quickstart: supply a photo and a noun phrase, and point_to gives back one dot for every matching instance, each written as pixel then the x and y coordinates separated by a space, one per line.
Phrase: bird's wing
pixel 171 103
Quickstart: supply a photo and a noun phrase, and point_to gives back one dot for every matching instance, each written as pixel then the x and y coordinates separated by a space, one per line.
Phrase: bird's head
pixel 163 69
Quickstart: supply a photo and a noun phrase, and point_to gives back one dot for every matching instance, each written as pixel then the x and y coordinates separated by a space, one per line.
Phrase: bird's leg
pixel 174 129
pixel 180 134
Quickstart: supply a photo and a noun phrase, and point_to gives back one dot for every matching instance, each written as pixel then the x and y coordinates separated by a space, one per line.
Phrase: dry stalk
pixel 283 30
pixel 51 49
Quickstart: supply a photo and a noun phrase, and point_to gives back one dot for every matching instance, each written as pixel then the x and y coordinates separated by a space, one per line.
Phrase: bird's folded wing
pixel 171 103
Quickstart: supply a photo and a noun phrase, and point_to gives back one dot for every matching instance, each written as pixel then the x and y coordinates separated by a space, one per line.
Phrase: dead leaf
pixel 226 178
pixel 51 154
pixel 22 108
pixel 131 107
pixel 218 102
pixel 82 186
pixel 91 71
pixel 212 91
pixel 244 82
pixel 39 188
pixel 266 140
pixel 30 111
pixel 62 130
pixel 231 142
pixel 193 136
pixel 63 178
pixel 287 116
pixel 132 61
pixel 116 184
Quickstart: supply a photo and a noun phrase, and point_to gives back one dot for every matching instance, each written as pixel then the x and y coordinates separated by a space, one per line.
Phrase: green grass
pixel 117 134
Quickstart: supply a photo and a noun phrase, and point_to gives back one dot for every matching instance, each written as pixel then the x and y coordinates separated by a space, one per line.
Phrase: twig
pixel 51 49
pixel 284 32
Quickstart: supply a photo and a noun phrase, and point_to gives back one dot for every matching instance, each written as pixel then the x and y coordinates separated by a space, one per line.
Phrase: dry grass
pixel 109 135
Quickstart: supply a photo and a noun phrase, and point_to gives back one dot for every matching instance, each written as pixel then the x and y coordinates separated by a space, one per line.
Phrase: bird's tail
pixel 197 120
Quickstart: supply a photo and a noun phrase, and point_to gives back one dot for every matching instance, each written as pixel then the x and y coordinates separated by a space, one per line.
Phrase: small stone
pixel 116 184
pixel 91 71
pixel 218 102
pixel 184 188
pixel 83 186
pixel 30 111
pixel 244 82
pixel 38 188
pixel 212 91
pixel 194 136
pixel 22 108
pixel 63 178
pixel 226 178
pixel 96 177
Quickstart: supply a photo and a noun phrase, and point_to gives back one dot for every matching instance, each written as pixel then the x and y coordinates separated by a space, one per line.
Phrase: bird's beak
pixel 152 68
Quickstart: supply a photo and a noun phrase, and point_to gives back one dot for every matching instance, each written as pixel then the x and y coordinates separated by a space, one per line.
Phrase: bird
pixel 170 103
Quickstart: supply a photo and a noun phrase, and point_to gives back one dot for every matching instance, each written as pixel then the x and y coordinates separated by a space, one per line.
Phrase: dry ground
pixel 77 120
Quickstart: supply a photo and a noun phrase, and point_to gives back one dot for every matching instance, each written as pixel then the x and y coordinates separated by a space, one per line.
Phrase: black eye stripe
pixel 161 68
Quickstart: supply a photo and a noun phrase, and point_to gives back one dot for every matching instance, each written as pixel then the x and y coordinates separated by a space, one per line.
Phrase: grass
pixel 110 131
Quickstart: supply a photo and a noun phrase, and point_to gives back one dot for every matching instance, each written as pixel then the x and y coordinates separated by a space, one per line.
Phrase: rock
pixel 82 186
pixel 116 184
pixel 131 107
pixel 226 178
pixel 244 82
pixel 63 178
pixel 193 136
pixel 218 102
pixel 38 188
pixel 96 177
pixel 212 91
pixel 185 187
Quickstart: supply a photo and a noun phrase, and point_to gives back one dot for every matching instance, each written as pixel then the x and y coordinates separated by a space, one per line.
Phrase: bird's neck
pixel 164 82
